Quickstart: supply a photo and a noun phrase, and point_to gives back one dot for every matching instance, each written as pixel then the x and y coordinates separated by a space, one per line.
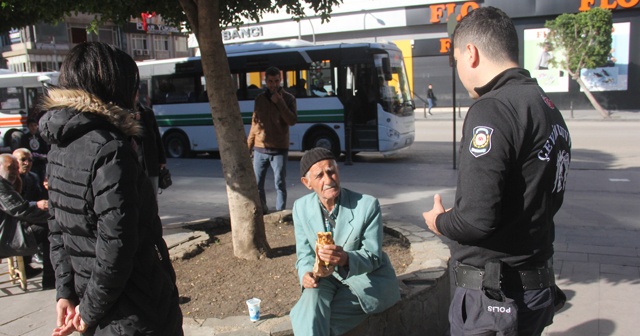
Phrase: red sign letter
pixel 445 45
pixel 585 5
pixel 436 13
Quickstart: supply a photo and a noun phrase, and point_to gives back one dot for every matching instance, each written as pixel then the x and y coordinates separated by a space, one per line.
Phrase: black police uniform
pixel 511 182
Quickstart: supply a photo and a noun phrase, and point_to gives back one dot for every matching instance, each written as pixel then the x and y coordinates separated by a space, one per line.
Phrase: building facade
pixel 42 47
pixel 419 28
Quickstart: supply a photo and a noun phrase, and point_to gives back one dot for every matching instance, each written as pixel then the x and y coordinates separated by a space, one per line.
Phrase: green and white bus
pixel 358 91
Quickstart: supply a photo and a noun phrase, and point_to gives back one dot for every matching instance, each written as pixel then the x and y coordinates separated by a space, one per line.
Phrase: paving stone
pixel 605 250
pixel 616 260
pixel 425 234
pixel 571 256
pixel 632 271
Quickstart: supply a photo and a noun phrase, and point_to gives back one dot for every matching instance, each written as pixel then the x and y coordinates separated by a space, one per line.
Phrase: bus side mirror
pixel 44 79
pixel 386 69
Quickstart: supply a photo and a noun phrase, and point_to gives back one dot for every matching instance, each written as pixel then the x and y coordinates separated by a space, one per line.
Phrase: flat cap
pixel 312 156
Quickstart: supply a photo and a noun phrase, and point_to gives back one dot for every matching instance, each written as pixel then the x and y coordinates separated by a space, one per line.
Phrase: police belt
pixel 471 277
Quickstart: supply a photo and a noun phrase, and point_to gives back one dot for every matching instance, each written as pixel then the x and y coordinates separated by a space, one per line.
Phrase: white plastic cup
pixel 254 309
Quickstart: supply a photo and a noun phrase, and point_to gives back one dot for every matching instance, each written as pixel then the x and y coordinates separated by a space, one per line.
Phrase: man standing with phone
pixel 274 111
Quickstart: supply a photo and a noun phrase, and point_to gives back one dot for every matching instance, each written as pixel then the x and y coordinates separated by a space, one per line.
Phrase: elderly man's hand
pixel 309 281
pixel 334 255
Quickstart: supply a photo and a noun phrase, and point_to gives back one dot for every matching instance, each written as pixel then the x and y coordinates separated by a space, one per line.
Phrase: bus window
pixel 175 89
pixel 254 85
pixel 143 93
pixel 11 98
pixel 299 86
pixel 34 96
pixel 321 79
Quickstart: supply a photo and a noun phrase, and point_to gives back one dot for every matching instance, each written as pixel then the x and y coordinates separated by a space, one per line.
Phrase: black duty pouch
pixel 500 312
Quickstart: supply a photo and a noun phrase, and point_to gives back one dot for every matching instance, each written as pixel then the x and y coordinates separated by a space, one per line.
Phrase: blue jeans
pixel 278 163
pixel 430 102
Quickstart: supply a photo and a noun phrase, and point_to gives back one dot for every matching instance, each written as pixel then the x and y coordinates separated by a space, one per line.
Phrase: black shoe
pixel 31 272
pixel 37 258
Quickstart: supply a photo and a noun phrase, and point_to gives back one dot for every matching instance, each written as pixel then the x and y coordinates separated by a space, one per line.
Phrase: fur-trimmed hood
pixel 73 111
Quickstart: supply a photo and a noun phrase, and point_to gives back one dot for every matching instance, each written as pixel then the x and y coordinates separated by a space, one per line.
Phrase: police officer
pixel 512 178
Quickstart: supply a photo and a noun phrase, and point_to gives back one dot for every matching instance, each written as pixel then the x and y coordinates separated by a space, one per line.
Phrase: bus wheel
pixel 328 140
pixel 176 145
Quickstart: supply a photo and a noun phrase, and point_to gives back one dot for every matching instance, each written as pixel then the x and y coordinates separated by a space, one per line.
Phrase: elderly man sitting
pixel 14 210
pixel 360 279
pixel 32 188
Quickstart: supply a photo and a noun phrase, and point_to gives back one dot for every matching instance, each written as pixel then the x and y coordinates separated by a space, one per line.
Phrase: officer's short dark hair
pixel 491 31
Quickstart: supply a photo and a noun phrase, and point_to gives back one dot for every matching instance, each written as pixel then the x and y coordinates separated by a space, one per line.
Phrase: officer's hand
pixel 431 215
pixel 309 281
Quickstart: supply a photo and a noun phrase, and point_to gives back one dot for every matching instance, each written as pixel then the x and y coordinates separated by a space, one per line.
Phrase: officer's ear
pixel 471 55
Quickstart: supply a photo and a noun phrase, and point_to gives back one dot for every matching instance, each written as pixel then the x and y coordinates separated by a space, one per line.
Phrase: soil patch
pixel 214 283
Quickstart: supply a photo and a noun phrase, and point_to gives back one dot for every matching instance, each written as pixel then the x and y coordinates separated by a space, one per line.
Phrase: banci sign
pixel 242 33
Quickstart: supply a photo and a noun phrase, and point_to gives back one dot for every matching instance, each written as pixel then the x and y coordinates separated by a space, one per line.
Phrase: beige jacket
pixel 270 122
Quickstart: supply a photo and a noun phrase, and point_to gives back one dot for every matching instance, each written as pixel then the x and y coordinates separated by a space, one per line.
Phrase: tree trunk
pixel 247 224
pixel 592 99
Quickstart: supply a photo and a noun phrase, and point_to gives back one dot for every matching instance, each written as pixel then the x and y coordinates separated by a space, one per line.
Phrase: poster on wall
pixel 613 76
pixel 536 60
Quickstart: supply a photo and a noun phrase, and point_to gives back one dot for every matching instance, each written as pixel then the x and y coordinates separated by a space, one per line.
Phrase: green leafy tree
pixel 584 41
pixel 206 19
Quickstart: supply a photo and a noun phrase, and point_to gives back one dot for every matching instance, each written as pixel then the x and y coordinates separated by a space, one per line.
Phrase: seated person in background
pixel 318 88
pixel 31 189
pixel 362 281
pixel 14 210
pixel 300 89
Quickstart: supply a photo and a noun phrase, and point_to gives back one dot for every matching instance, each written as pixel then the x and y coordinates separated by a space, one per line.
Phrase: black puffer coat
pixel 106 236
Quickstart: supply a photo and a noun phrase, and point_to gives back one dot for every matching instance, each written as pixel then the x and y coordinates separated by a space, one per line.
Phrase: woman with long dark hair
pixel 113 274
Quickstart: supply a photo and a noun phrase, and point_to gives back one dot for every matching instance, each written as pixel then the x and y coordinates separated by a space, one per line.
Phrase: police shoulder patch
pixel 481 141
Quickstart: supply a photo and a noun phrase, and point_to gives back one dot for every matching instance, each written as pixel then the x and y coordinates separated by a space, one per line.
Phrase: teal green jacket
pixel 359 231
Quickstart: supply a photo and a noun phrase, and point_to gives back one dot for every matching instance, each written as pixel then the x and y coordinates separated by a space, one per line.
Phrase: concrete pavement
pixel 597 256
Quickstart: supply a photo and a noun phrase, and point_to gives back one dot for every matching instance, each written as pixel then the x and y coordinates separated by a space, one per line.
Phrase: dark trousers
pixel 468 315
pixel 41 232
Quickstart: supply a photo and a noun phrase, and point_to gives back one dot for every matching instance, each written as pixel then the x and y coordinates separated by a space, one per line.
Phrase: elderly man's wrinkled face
pixel 25 162
pixel 323 178
pixel 9 169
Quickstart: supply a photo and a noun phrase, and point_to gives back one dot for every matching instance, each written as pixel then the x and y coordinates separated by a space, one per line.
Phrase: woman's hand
pixel 66 311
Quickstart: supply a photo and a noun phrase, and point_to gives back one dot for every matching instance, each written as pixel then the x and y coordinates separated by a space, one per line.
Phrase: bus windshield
pixel 394 92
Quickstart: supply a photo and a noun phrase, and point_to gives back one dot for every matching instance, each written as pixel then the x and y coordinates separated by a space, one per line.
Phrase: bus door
pixel 361 99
